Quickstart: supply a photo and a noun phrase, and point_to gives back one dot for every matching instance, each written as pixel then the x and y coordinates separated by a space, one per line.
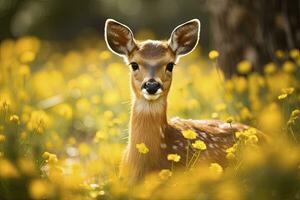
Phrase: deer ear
pixel 185 37
pixel 119 38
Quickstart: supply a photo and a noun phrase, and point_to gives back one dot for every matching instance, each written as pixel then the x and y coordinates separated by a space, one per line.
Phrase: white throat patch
pixel 151 97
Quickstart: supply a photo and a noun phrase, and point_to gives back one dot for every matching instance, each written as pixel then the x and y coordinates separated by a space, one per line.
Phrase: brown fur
pixel 148 121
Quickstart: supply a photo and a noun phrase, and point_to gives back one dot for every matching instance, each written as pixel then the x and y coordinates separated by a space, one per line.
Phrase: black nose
pixel 151 86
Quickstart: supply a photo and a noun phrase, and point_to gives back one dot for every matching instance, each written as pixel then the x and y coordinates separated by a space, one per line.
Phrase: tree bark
pixel 253 30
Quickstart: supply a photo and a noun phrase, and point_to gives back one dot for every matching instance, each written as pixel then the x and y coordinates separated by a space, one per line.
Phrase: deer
pixel 151 64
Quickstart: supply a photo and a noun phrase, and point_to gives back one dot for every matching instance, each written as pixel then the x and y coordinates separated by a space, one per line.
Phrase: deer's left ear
pixel 185 37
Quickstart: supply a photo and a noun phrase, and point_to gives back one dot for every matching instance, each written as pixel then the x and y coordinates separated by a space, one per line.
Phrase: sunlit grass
pixel 64 124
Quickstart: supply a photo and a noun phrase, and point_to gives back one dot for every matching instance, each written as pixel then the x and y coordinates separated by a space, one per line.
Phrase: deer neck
pixel 147 125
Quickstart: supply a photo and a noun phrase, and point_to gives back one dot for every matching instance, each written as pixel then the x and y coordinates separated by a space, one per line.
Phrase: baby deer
pixel 151 64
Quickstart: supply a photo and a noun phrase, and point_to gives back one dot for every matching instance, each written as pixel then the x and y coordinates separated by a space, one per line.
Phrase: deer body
pixel 151 64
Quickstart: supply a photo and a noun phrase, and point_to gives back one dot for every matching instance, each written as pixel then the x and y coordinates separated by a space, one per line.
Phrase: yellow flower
pixel 198 144
pixel 215 115
pixel 244 67
pixel 27 166
pixel 49 157
pixel 14 119
pixel 84 149
pixel 104 55
pixel 38 121
pixel 142 148
pixel 39 189
pixel 64 110
pixel 46 155
pixel 174 157
pixel 252 139
pixel 216 169
pixel 289 67
pixel 230 156
pixel 294 53
pixel 238 134
pixel 2 138
pixel 189 134
pixel 27 56
pixel 270 68
pixel 165 174
pixel 213 54
pixel 289 90
pixel 295 113
pixel 229 120
pixel 279 54
pixel 282 96
pixel 52 158
pixel 7 169
pixel 24 70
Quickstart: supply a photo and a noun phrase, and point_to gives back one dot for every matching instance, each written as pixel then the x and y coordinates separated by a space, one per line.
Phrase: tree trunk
pixel 253 30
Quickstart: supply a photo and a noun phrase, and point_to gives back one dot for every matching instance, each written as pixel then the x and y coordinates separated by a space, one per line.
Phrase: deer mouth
pixel 151 97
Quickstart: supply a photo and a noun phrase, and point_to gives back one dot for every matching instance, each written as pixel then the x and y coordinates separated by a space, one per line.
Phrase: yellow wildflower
pixel 142 148
pixel 252 139
pixel 49 157
pixel 244 67
pixel 2 138
pixel 39 189
pixel 279 54
pixel 294 53
pixel 295 113
pixel 174 157
pixel 230 156
pixel 270 68
pixel 52 158
pixel 84 149
pixel 64 110
pixel 289 67
pixel 215 115
pixel 104 55
pixel 213 54
pixel 46 155
pixel 24 70
pixel 14 119
pixel 189 134
pixel 229 120
pixel 238 134
pixel 27 56
pixel 27 166
pixel 282 96
pixel 288 90
pixel 216 169
pixel 7 169
pixel 198 144
pixel 165 174
pixel 38 121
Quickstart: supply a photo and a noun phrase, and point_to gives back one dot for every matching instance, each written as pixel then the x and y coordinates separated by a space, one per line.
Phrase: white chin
pixel 151 97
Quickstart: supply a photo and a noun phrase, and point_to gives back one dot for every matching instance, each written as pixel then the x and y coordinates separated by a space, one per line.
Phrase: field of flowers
pixel 64 113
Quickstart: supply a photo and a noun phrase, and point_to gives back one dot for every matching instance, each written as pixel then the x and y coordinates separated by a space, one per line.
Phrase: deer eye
pixel 134 66
pixel 170 67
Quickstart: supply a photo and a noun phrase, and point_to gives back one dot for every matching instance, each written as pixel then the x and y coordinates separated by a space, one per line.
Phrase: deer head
pixel 151 61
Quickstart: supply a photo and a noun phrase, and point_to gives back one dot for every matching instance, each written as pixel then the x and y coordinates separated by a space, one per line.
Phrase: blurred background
pixel 65 98
pixel 252 30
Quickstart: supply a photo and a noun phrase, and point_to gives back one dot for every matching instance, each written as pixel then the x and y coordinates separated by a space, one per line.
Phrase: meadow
pixel 64 113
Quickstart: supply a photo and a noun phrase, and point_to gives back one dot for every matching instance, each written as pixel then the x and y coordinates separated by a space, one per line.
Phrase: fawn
pixel 151 63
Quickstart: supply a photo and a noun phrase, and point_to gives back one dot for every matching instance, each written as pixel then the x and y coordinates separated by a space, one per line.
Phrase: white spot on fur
pixel 174 147
pixel 161 133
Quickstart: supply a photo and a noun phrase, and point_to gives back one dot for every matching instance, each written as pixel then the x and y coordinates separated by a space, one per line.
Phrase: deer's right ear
pixel 185 37
pixel 119 38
